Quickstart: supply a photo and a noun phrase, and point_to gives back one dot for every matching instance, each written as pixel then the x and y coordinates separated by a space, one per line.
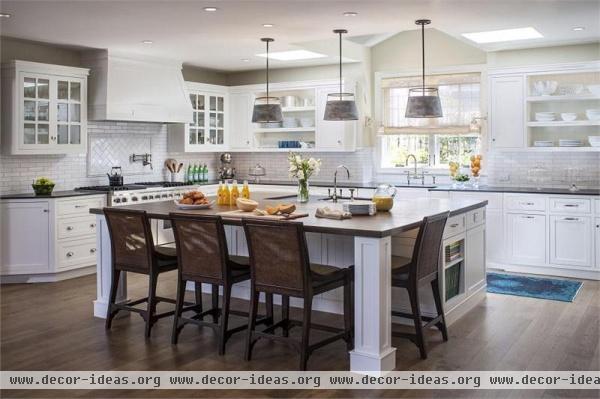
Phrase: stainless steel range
pixel 142 192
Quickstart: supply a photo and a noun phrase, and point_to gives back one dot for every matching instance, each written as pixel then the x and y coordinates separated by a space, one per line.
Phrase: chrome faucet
pixel 334 196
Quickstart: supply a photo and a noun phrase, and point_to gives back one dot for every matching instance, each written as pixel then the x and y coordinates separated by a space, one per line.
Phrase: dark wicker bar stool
pixel 133 251
pixel 280 264
pixel 204 258
pixel 421 269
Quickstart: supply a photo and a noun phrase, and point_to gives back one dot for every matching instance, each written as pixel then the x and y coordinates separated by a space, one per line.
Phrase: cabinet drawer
pixel 76 253
pixel 525 203
pixel 570 205
pixel 454 225
pixel 475 218
pixel 78 207
pixel 76 227
pixel 494 199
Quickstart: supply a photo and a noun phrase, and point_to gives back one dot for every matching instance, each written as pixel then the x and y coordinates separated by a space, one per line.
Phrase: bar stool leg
pixel 285 314
pixel 416 311
pixel 348 327
pixel 269 305
pixel 151 303
pixel 112 298
pixel 304 354
pixel 178 308
pixel 251 323
pixel 440 311
pixel 215 303
pixel 224 318
pixel 198 294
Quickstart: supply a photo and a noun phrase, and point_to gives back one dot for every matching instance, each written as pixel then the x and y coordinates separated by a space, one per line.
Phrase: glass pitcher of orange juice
pixel 384 197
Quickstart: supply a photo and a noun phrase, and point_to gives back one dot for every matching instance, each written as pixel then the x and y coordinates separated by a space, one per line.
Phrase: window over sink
pixel 434 141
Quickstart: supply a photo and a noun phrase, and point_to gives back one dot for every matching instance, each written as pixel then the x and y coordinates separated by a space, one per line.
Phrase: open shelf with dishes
pixel 453 260
pixel 563 110
pixel 297 130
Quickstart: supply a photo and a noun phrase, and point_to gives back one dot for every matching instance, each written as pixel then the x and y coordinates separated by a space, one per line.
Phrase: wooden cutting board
pixel 241 214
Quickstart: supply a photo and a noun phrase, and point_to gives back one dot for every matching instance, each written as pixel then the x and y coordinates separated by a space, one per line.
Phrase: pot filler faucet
pixel 334 196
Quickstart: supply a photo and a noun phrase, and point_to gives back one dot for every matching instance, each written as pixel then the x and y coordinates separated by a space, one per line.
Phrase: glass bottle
pixel 235 193
pixel 205 173
pixel 220 194
pixel 226 194
pixel 246 190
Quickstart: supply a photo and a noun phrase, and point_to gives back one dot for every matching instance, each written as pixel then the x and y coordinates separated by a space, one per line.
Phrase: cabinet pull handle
pixel 572 205
pixel 79 206
pixel 527 203
pixel 69 254
pixel 527 217
pixel 93 250
pixel 69 228
pixel 570 218
pixel 454 225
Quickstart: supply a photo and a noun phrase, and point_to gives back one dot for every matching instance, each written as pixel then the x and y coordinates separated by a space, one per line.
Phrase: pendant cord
pixel 341 66
pixel 267 73
pixel 423 54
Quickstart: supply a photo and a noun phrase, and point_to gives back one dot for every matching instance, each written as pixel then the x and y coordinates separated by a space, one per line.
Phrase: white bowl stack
pixel 545 116
pixel 593 114
pixel 568 116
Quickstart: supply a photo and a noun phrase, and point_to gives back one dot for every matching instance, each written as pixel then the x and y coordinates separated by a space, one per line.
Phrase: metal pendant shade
pixel 340 106
pixel 423 102
pixel 267 109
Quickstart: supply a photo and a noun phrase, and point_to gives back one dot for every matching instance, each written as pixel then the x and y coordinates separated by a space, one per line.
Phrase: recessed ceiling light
pixel 268 25
pixel 578 28
pixel 504 35
pixel 245 60
pixel 147 41
pixel 210 9
pixel 350 14
pixel 5 15
pixel 293 55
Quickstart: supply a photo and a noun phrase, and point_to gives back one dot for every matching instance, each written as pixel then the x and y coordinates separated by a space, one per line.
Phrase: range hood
pixel 137 89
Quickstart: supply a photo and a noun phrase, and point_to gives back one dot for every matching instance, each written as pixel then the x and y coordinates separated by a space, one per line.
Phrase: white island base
pixel 374 296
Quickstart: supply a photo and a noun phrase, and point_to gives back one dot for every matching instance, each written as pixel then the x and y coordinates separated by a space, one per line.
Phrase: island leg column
pixel 104 271
pixel 372 306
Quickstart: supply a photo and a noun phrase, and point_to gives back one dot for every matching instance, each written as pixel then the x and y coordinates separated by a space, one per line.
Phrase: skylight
pixel 293 55
pixel 504 35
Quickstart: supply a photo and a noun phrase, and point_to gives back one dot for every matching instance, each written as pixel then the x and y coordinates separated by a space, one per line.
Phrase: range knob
pixel 151 197
pixel 134 199
pixel 144 197
pixel 124 200
pixel 116 200
pixel 165 196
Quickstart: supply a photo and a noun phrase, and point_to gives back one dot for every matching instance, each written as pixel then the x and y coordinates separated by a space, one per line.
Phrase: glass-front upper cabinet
pixel 207 132
pixel 47 110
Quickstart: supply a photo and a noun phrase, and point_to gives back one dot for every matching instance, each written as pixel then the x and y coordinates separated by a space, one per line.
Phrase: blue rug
pixel 533 287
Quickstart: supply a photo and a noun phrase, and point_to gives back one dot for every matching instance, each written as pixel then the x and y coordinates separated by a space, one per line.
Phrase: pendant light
pixel 340 106
pixel 267 109
pixel 423 102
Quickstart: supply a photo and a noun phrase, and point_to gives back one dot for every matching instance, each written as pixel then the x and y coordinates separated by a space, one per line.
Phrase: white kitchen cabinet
pixel 209 129
pixel 494 236
pixel 597 239
pixel 332 135
pixel 48 239
pixel 507 111
pixel 475 258
pixel 571 240
pixel 25 237
pixel 526 238
pixel 44 108
pixel 240 123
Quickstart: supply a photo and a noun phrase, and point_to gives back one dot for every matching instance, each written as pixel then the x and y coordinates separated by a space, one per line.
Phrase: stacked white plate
pixel 569 143
pixel 545 116
pixel 543 143
pixel 360 207
pixel 594 141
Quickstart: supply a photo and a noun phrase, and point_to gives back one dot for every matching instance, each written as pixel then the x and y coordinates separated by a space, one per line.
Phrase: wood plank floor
pixel 51 327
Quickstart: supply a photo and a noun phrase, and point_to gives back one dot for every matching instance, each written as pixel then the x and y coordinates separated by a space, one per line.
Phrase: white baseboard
pixel 549 271
pixel 47 277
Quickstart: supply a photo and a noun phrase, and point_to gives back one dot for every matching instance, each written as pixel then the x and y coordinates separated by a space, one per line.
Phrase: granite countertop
pixel 519 190
pixel 406 214
pixel 55 194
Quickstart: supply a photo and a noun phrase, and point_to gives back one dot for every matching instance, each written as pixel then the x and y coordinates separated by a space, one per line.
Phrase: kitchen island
pixel 367 242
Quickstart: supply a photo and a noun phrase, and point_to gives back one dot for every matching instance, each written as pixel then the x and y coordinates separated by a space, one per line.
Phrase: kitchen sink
pixel 344 198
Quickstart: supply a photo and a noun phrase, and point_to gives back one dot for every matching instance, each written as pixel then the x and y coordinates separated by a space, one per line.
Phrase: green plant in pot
pixel 43 186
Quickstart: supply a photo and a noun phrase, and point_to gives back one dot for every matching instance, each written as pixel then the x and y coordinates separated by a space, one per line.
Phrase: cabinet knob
pixel 339 141
pixel 92 250
pixel 92 225
pixel 69 254
pixel 46 211
pixel 69 228
pixel 493 139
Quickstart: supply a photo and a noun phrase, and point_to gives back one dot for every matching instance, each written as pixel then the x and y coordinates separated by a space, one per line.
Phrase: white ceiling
pixel 219 40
